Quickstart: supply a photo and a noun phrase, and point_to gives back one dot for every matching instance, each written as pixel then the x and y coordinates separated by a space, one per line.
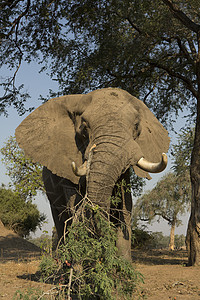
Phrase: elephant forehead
pixel 110 104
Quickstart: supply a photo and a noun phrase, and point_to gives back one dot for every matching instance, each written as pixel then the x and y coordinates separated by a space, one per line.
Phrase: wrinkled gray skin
pixel 64 130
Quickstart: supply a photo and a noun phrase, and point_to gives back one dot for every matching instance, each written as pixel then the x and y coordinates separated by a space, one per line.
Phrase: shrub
pixel 87 261
pixel 141 238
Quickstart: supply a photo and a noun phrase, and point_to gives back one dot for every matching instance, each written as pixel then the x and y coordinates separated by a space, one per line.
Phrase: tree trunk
pixel 193 232
pixel 171 242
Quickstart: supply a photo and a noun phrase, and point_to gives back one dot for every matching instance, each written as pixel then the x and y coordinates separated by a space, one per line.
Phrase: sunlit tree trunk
pixel 193 232
pixel 171 242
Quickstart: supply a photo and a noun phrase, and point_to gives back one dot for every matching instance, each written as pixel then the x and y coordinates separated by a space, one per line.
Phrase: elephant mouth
pixel 142 163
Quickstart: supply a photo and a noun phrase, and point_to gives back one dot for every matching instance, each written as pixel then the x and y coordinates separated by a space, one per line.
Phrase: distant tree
pixel 26 176
pixel 168 200
pixel 141 237
pixel 179 241
pixel 16 214
pixel 182 151
pixel 144 239
pixel 159 240
pixel 44 242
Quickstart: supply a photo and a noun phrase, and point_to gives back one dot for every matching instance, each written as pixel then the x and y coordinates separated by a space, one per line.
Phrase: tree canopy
pixel 147 48
pixel 26 176
pixel 22 217
pixel 167 200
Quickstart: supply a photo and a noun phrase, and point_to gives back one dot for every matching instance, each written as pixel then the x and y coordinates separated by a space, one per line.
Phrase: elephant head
pixel 61 135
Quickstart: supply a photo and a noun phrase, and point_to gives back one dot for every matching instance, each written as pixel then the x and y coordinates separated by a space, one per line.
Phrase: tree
pixel 22 217
pixel 168 200
pixel 159 240
pixel 44 242
pixel 179 241
pixel 181 152
pixel 172 194
pixel 151 49
pixel 25 175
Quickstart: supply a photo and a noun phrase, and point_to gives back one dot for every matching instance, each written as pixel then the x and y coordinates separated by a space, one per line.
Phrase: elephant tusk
pixel 79 171
pixel 82 170
pixel 147 166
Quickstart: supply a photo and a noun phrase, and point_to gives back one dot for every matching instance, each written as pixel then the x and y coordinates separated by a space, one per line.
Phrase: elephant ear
pixel 153 138
pixel 47 135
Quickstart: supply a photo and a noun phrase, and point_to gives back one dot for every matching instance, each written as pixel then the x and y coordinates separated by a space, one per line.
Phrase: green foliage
pixel 144 239
pixel 182 152
pixel 167 200
pixel 159 240
pixel 140 238
pixel 95 270
pixel 18 215
pixel 25 175
pixel 141 46
pixel 44 242
pixel 48 266
pixel 179 240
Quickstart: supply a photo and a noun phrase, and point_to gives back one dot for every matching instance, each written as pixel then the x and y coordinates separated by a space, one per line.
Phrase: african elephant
pixel 117 128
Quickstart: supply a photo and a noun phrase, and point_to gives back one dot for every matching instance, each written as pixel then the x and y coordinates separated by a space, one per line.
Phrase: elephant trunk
pixel 111 157
pixel 105 170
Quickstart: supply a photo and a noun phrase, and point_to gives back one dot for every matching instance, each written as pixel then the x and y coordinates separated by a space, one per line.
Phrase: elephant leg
pixel 63 196
pixel 122 218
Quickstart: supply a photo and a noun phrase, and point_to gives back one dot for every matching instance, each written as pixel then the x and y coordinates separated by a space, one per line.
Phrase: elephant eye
pixel 136 130
pixel 83 129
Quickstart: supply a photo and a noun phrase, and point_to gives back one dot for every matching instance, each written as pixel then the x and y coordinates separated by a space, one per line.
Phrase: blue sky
pixel 36 84
pixel 39 84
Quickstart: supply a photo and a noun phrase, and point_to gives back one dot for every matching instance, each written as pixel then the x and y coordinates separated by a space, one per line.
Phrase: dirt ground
pixel 165 273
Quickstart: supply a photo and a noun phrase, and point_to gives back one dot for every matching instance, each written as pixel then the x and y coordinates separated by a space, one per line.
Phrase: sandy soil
pixel 165 273
pixel 19 261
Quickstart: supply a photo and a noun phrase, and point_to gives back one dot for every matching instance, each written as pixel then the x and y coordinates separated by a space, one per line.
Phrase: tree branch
pixel 178 14
pixel 184 51
pixel 10 3
pixel 133 25
pixel 172 73
pixel 192 49
pixel 18 19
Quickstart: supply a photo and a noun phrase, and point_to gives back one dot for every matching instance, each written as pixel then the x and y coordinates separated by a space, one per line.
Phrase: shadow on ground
pixel 160 257
pixel 14 248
